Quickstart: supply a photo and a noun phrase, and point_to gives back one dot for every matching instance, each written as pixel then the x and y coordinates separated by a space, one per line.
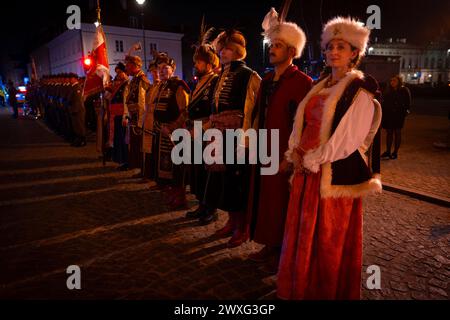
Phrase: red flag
pixel 98 74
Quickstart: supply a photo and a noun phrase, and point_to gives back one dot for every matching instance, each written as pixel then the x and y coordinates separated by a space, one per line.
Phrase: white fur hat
pixel 288 32
pixel 347 29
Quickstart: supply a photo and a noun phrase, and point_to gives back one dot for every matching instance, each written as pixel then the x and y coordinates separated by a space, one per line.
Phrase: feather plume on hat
pixel 275 27
pixel 204 50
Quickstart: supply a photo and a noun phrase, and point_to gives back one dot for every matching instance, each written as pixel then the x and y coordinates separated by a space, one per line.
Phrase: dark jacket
pixel 396 104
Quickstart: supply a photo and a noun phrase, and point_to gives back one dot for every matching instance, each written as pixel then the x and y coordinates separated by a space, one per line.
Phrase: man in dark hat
pixel 134 105
pixel 117 132
pixel 199 109
pixel 147 137
pixel 77 111
pixel 119 69
pixel 234 99
pixel 168 105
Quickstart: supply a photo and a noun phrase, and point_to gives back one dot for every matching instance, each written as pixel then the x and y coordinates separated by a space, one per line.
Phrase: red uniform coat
pixel 269 195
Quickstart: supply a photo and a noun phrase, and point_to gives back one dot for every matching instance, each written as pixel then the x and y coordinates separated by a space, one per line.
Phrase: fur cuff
pixel 288 156
pixel 310 162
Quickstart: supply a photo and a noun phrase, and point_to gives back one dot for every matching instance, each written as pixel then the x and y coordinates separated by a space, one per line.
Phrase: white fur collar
pixel 334 94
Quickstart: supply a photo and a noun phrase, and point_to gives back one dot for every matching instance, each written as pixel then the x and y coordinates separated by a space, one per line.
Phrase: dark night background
pixel 26 25
pixel 61 206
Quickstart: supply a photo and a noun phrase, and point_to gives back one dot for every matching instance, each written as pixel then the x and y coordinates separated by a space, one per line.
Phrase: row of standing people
pixel 308 216
pixel 59 101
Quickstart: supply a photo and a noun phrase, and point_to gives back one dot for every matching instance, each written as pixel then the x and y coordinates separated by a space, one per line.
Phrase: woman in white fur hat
pixel 334 150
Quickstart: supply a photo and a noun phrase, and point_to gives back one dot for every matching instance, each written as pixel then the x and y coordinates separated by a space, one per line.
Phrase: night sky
pixel 27 24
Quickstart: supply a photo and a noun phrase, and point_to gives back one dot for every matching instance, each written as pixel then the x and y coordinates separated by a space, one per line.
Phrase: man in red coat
pixel 280 93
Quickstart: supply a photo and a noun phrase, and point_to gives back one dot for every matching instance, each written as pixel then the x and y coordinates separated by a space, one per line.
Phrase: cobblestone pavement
pixel 59 207
pixel 421 166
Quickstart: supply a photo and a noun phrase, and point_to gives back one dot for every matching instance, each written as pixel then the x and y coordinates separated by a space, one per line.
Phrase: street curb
pixel 441 201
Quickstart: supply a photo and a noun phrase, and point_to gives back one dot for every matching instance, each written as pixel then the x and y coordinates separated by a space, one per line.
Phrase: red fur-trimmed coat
pixel 269 195
pixel 350 163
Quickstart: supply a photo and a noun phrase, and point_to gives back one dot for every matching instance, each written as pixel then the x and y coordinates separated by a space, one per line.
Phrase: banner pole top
pixel 98 11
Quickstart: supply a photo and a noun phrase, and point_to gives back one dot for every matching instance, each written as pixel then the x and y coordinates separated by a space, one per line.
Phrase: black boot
pixel 197 213
pixel 386 155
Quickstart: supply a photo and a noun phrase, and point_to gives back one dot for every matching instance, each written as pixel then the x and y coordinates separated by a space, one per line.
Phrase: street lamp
pixel 141 3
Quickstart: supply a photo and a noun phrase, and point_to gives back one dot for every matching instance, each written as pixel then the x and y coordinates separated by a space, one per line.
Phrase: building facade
pixel 418 65
pixel 65 53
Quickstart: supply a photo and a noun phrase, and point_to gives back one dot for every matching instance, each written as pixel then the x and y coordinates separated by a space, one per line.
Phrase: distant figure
pixel 396 103
pixel 117 132
pixel 2 95
pixel 12 91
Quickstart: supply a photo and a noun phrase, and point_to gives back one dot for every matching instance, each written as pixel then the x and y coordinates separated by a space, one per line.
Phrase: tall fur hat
pixel 231 38
pixel 288 32
pixel 347 29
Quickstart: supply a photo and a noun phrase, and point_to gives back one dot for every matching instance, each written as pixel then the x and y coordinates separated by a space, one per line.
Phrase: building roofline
pixel 89 27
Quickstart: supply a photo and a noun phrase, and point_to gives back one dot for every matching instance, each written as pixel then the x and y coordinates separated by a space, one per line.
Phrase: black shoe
pixel 394 156
pixel 123 167
pixel 208 218
pixel 195 214
pixel 386 155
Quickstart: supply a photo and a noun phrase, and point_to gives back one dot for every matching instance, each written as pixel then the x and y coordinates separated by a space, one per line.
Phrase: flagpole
pixel 102 101
pixel 98 11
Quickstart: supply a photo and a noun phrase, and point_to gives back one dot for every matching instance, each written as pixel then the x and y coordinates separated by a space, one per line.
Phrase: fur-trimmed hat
pixel 347 29
pixel 232 38
pixel 288 32
pixel 136 60
pixel 163 57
